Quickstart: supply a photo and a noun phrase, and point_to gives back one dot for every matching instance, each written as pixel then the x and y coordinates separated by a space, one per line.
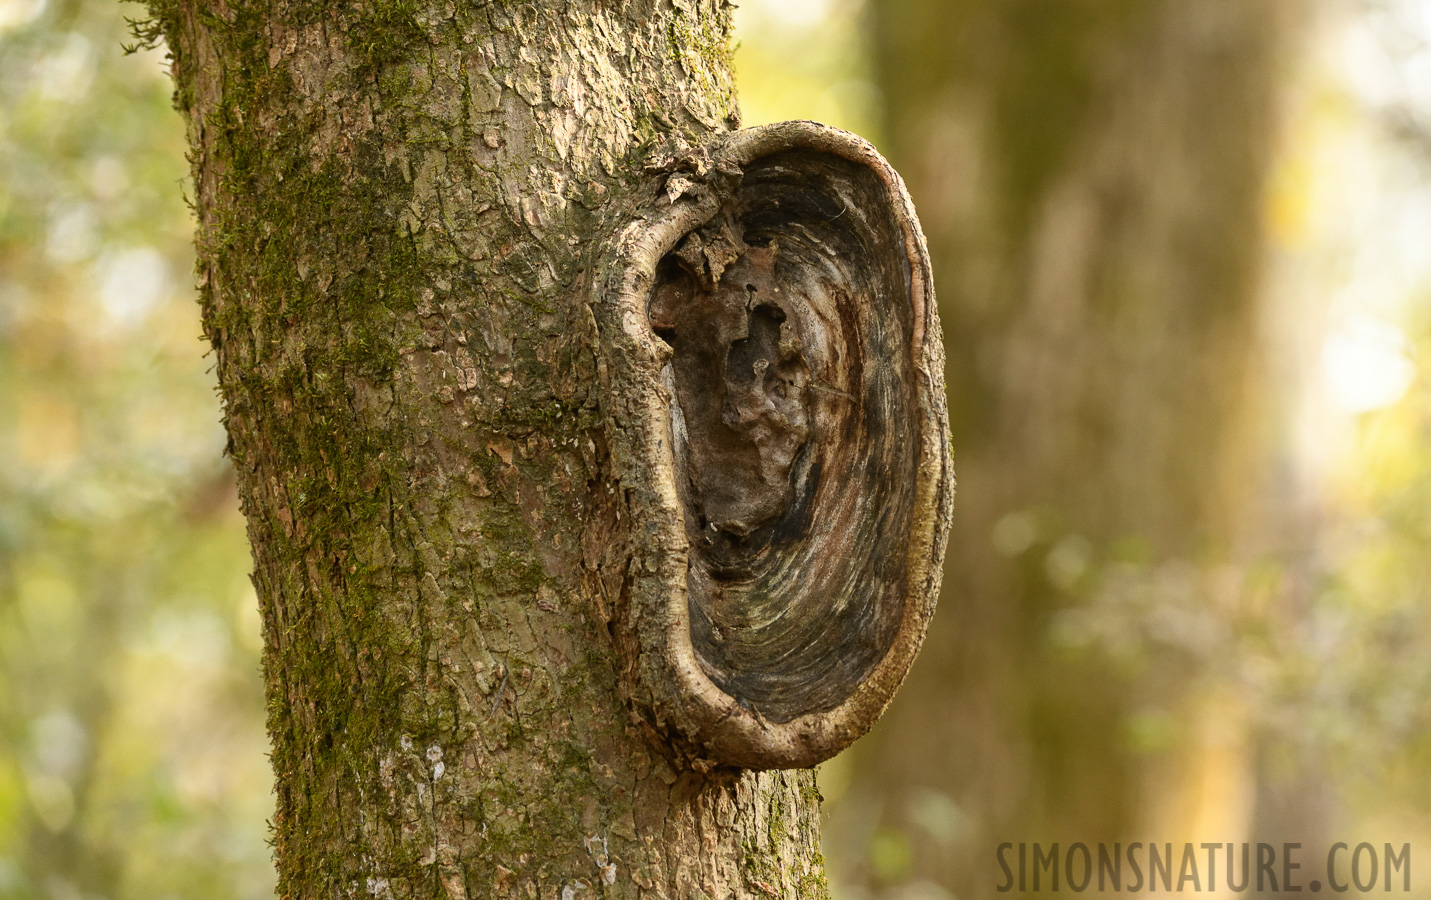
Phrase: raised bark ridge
pixel 778 386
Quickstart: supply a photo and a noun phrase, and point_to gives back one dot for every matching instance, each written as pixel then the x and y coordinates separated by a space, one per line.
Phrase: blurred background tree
pixel 1182 262
pixel 1090 176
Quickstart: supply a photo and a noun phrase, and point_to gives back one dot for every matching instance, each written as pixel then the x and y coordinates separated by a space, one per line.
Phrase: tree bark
pixel 400 210
pixel 1090 177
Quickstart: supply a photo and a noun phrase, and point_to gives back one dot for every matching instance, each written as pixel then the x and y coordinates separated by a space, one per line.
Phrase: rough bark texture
pixel 400 209
pixel 1089 175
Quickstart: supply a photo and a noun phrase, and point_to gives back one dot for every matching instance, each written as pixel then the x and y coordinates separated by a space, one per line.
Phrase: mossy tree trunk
pixel 1090 177
pixel 401 206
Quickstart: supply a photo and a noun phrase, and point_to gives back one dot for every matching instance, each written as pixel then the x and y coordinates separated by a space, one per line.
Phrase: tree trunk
pixel 1090 176
pixel 400 209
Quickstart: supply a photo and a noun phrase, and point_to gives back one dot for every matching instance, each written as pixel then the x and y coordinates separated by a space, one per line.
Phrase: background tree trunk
pixel 400 206
pixel 1089 175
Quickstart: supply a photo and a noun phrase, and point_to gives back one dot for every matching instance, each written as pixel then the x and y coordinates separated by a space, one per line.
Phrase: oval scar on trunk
pixel 778 420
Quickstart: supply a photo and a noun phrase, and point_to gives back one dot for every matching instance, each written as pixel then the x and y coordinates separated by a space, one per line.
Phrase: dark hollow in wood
pixel 795 429
pixel 774 399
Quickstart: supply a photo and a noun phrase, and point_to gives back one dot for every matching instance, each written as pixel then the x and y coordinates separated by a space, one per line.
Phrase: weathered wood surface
pixel 778 373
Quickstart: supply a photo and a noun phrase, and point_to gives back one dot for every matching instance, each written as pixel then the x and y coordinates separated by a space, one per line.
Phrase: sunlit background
pixel 1276 687
pixel 131 711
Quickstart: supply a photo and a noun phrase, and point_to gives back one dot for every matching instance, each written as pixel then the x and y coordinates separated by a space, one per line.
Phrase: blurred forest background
pixel 1183 254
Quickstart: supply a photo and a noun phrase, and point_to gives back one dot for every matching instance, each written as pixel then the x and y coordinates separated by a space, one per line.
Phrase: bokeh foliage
pixel 131 737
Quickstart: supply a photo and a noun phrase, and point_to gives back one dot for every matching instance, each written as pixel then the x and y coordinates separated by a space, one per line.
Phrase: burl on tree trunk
pixel 776 394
